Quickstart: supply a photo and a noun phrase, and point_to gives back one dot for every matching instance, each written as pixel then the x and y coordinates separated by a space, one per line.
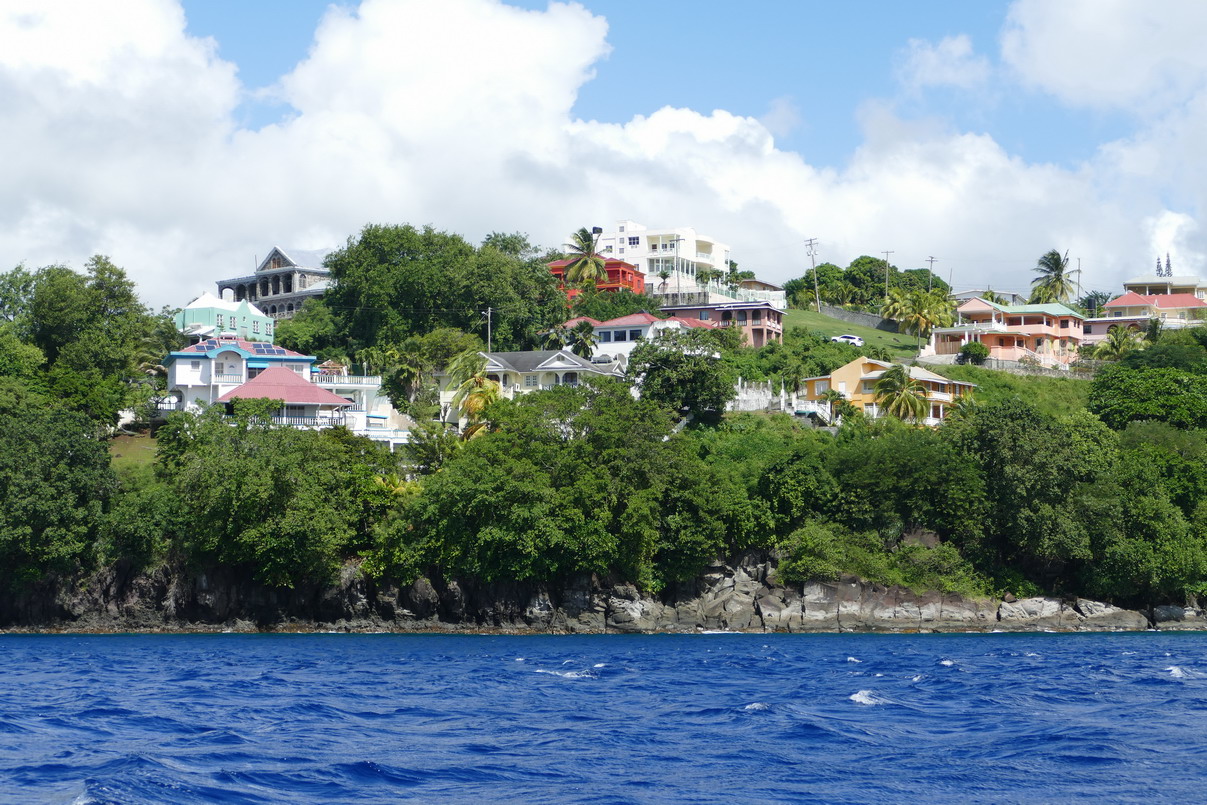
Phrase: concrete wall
pixel 865 319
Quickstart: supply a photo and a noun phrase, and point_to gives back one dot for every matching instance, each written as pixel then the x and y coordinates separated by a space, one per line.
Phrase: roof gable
pixel 278 383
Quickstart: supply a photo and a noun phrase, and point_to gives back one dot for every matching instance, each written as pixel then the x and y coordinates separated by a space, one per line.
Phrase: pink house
pixel 1133 311
pixel 1048 334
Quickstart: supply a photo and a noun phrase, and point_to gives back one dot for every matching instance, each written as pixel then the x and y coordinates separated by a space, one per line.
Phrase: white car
pixel 853 340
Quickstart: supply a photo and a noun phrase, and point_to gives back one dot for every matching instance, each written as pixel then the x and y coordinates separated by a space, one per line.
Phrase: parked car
pixel 853 340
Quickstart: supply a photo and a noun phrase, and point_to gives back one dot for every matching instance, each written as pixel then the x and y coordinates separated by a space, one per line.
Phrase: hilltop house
pixel 1133 311
pixel 1047 334
pixel 616 338
pixel 856 381
pixel 207 316
pixel 621 276
pixel 760 322
pixel 223 369
pixel 282 281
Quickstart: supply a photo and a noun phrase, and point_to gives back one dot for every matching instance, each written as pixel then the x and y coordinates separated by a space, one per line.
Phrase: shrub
pixel 974 352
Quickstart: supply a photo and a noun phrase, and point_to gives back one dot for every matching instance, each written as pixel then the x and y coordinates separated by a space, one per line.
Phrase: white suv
pixel 853 340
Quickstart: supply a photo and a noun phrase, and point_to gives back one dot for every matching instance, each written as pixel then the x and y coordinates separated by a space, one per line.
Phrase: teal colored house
pixel 207 316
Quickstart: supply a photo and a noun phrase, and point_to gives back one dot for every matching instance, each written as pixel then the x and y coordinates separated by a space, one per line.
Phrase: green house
pixel 207 316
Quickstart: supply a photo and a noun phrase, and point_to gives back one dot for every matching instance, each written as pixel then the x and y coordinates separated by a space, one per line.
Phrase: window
pixel 219 320
pixel 741 317
pixel 605 337
pixel 620 336
pixel 622 249
pixel 634 240
pixel 821 387
pixel 531 381
pixel 622 229
pixel 756 317
pixel 607 249
pixel 704 315
pixel 255 327
pixel 634 335
pixel 195 365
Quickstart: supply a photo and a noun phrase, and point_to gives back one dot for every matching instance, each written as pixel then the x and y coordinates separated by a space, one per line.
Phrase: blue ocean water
pixel 604 719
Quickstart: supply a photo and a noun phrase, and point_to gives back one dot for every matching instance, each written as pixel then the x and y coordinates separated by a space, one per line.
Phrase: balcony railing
pixel 309 421
pixel 236 379
pixel 346 380
pixel 939 396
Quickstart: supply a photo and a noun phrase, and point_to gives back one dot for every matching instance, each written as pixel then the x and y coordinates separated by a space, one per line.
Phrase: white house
pixel 616 338
pixel 219 370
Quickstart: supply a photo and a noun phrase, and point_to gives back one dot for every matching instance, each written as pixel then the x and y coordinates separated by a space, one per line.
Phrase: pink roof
pixel 579 319
pixel 631 319
pixel 1166 300
pixel 278 383
pixel 212 344
pixel 693 322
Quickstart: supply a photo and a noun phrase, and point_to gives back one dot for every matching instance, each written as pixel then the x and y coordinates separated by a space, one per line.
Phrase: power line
pixel 810 248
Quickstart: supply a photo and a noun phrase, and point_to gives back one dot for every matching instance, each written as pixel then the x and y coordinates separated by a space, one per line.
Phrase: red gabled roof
pixel 630 320
pixel 278 383
pixel 609 262
pixel 579 319
pixel 1159 300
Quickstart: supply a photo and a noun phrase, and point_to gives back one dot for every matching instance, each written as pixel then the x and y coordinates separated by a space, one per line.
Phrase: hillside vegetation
pixel 1055 396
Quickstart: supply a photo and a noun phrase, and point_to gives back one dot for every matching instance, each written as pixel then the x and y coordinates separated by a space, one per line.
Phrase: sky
pixel 185 139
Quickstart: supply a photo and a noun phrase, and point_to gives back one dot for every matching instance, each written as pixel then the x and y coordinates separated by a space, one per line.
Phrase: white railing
pixel 819 407
pixel 940 396
pixel 235 379
pixel 346 380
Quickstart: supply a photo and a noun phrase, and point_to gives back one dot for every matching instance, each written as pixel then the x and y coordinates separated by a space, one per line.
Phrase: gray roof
pixel 305 258
pixel 522 362
pixel 1153 279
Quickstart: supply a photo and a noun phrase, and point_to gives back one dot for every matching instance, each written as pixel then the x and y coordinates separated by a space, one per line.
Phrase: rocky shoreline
pixel 740 596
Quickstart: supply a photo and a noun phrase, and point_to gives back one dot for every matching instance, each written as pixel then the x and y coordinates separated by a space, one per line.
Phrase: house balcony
pixel 229 379
pixel 938 396
pixel 332 421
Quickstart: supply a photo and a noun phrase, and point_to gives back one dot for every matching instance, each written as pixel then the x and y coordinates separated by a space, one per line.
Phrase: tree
pixel 682 371
pixel 1120 395
pixel 919 311
pixel 1094 301
pixel 581 339
pixel 1054 283
pixel 586 268
pixel 840 407
pixel 901 395
pixel 1119 341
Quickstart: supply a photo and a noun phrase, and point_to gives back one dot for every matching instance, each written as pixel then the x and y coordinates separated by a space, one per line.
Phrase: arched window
pixel 289 308
pixel 264 287
pixel 287 284
pixel 240 293
pixel 272 311
pixel 276 284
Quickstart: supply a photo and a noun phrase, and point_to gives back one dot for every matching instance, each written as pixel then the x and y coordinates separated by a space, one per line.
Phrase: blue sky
pixel 823 59
pixel 183 137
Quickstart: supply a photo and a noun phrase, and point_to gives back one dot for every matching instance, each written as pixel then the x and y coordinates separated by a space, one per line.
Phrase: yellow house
pixel 856 381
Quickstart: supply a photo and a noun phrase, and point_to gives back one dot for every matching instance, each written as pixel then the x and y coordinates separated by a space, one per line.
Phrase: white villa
pixel 616 338
pixel 219 370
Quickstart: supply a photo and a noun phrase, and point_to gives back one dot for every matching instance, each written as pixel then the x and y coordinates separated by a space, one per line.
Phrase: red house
pixel 620 275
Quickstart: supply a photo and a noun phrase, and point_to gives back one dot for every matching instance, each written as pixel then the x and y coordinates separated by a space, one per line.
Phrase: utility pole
pixel 1079 279
pixel 810 247
pixel 886 254
pixel 489 310
pixel 930 276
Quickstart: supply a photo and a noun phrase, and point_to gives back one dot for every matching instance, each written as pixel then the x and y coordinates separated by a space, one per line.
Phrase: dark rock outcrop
pixel 740 596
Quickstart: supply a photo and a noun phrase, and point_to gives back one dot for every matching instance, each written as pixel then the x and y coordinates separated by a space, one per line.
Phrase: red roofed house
pixel 1133 311
pixel 620 275
pixel 303 404
pixel 218 370
pixel 616 338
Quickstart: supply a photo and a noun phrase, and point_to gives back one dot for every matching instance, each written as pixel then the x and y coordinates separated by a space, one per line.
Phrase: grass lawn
pixel 900 345
pixel 131 451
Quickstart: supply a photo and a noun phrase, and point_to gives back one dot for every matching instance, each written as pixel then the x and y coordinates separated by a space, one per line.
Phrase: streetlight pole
pixel 810 247
pixel 886 254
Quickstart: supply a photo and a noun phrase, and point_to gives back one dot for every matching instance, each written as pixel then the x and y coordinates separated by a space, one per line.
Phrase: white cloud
pixel 1114 54
pixel 950 63
pixel 782 117
pixel 459 114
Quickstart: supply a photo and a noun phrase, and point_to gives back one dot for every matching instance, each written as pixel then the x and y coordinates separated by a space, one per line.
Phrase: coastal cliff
pixel 742 596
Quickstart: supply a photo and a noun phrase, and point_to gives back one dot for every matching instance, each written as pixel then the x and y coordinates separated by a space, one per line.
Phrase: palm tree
pixel 840 406
pixel 990 296
pixel 557 338
pixel 586 268
pixel 901 395
pixel 581 339
pixel 1055 280
pixel 919 311
pixel 1094 301
pixel 1118 342
pixel 664 274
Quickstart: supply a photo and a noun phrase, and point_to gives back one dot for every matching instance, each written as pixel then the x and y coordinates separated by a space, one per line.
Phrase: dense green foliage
pixel 1055 485
pixel 860 284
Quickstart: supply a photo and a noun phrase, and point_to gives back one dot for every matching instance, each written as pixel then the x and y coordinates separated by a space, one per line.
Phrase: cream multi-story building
pixel 680 250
